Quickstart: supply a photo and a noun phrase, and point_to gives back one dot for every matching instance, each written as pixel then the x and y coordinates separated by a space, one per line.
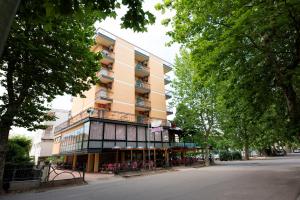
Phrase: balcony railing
pixel 142 119
pixel 169 111
pixel 142 104
pixel 105 75
pixel 167 79
pixel 167 68
pixel 105 114
pixel 142 87
pixel 103 96
pixel 141 70
pixel 168 94
pixel 107 57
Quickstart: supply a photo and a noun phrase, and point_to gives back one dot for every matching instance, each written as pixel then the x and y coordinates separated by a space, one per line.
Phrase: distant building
pixel 42 141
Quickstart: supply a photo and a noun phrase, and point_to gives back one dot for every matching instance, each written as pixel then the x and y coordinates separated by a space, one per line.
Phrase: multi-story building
pixel 111 124
pixel 42 141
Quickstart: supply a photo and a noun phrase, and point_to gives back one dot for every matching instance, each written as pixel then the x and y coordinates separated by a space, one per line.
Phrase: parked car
pixel 216 156
pixel 279 152
pixel 296 150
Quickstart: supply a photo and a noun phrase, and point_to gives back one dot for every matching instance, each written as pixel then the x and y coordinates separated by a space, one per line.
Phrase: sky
pixel 153 41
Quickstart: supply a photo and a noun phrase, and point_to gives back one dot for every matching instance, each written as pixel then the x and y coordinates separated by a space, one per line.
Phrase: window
pixel 109 133
pixel 131 133
pixel 141 133
pixel 96 130
pixel 120 132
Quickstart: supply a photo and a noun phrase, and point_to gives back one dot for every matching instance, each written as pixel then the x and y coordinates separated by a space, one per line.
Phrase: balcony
pixel 168 94
pixel 105 75
pixel 110 115
pixel 141 70
pixel 103 96
pixel 167 79
pixel 141 119
pixel 169 111
pixel 142 87
pixel 141 104
pixel 141 57
pixel 107 57
pixel 104 40
pixel 167 68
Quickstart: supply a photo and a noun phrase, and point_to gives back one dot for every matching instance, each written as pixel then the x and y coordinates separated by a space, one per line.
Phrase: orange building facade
pixel 112 124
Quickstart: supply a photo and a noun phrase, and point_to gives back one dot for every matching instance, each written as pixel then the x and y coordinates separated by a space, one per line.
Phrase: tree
pixel 18 150
pixel 8 10
pixel 135 18
pixel 195 100
pixel 47 54
pixel 253 45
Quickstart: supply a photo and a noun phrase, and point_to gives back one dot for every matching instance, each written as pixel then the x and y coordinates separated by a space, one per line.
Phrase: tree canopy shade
pixel 252 46
pixel 195 103
pixel 48 53
pixel 135 18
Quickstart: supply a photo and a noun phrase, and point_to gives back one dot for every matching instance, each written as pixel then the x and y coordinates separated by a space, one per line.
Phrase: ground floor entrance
pixel 117 159
pixel 114 160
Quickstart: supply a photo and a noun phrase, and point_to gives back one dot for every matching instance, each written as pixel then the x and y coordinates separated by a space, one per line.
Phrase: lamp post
pixel 148 143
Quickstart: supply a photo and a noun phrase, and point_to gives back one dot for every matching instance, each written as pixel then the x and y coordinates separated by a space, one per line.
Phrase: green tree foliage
pixel 135 18
pixel 18 150
pixel 195 103
pixel 254 45
pixel 48 53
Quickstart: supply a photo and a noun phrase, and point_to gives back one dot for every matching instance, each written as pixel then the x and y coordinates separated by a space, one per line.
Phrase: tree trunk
pixel 206 158
pixel 207 163
pixel 4 132
pixel 293 106
pixel 246 149
pixel 8 9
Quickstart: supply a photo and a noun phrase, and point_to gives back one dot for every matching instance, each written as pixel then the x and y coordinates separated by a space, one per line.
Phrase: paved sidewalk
pixel 93 177
pixel 271 179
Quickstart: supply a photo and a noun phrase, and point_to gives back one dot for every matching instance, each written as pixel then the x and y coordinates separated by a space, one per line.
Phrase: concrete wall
pixel 124 83
pixel 157 94
pixel 42 141
pixel 79 104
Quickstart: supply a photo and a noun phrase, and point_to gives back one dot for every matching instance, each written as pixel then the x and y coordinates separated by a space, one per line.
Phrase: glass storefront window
pixel 158 136
pixel 120 132
pixel 109 131
pixel 96 130
pixel 141 133
pixel 131 133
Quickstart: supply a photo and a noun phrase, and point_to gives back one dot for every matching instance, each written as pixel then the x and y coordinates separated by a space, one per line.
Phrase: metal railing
pixel 169 110
pixel 22 173
pixel 167 79
pixel 106 73
pixel 103 94
pixel 168 94
pixel 105 114
pixel 141 67
pixel 106 54
pixel 141 84
pixel 142 102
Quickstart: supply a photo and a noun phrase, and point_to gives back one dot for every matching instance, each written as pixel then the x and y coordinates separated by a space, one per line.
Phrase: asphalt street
pixel 274 178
